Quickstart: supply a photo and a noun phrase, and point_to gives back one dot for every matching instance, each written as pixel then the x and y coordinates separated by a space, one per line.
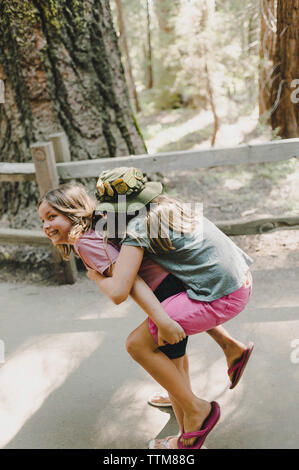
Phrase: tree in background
pixel 165 57
pixel 62 71
pixel 204 51
pixel 148 50
pixel 284 91
pixel 178 68
pixel 123 44
pixel 267 49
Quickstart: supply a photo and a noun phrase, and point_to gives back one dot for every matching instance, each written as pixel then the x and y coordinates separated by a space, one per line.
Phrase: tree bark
pixel 284 97
pixel 62 71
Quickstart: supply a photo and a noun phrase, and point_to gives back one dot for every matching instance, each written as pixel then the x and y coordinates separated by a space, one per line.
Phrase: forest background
pixel 202 74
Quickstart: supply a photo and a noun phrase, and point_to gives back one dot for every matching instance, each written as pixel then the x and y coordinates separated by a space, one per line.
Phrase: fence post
pixel 61 147
pixel 47 178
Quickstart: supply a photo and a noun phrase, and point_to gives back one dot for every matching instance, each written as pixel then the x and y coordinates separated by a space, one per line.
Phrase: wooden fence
pixel 51 162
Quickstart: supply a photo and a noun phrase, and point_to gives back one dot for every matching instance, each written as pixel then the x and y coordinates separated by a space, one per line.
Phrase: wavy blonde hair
pixel 163 214
pixel 166 213
pixel 73 201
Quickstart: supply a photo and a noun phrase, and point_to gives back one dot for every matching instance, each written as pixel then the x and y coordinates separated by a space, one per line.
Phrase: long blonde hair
pixel 169 214
pixel 73 201
pixel 165 214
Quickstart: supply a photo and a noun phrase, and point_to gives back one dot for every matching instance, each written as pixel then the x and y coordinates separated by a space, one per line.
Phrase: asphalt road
pixel 67 381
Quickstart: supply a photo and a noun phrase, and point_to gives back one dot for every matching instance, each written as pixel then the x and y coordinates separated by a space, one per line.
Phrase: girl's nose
pixel 46 224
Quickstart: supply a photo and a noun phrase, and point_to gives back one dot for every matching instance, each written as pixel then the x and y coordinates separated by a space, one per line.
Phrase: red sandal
pixel 240 366
pixel 205 429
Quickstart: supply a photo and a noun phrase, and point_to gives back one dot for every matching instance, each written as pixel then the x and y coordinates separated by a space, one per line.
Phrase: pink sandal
pixel 240 366
pixel 205 429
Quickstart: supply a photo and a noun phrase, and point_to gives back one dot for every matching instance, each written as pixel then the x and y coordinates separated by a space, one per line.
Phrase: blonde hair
pixel 73 201
pixel 166 213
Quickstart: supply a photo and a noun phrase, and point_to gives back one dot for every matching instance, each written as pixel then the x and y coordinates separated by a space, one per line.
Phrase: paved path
pixel 67 381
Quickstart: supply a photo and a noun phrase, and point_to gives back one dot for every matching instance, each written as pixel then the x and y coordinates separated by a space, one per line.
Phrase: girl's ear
pixel 96 216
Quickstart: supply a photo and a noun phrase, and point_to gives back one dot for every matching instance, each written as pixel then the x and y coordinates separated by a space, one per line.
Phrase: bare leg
pixel 183 366
pixel 142 347
pixel 180 364
pixel 232 348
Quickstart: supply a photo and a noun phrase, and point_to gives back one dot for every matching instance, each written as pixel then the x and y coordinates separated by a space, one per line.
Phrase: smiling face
pixel 55 225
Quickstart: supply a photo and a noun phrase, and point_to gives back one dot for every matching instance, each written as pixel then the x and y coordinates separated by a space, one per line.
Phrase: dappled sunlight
pixel 234 134
pixel 165 136
pixel 211 382
pixel 167 130
pixel 33 372
pixel 208 382
pixel 233 184
pixel 128 406
pixel 111 311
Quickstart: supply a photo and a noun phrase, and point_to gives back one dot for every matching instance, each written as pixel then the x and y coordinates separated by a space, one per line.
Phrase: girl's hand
pixel 171 333
pixel 92 274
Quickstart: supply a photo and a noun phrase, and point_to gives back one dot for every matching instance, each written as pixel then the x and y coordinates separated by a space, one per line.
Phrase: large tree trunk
pixel 62 71
pixel 285 111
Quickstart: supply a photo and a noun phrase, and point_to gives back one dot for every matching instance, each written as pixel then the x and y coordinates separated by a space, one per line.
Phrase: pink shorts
pixel 196 316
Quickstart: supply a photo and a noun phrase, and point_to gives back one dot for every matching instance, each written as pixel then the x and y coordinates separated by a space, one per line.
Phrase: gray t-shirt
pixel 209 263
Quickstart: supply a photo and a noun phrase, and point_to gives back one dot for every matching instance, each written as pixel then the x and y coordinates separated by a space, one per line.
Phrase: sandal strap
pixel 231 369
pixel 189 435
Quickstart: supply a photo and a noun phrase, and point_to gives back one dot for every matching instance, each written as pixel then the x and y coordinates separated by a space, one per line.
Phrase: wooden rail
pixel 275 151
pixel 229 227
pixel 51 162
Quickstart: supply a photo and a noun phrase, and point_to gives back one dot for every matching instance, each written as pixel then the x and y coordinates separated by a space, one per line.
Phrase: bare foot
pixel 195 421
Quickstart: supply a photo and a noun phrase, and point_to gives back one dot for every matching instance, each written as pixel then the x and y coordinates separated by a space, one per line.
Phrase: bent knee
pixel 134 344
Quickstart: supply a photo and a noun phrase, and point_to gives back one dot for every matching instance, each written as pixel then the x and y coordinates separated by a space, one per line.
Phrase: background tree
pixel 285 114
pixel 123 44
pixel 166 63
pixel 62 71
pixel 148 50
pixel 267 49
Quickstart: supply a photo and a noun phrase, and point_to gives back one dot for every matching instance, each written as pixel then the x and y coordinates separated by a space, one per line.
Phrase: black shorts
pixel 168 287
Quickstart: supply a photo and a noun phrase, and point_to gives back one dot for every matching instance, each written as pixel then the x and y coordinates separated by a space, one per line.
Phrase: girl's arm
pixel 119 285
pixel 124 281
pixel 168 330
